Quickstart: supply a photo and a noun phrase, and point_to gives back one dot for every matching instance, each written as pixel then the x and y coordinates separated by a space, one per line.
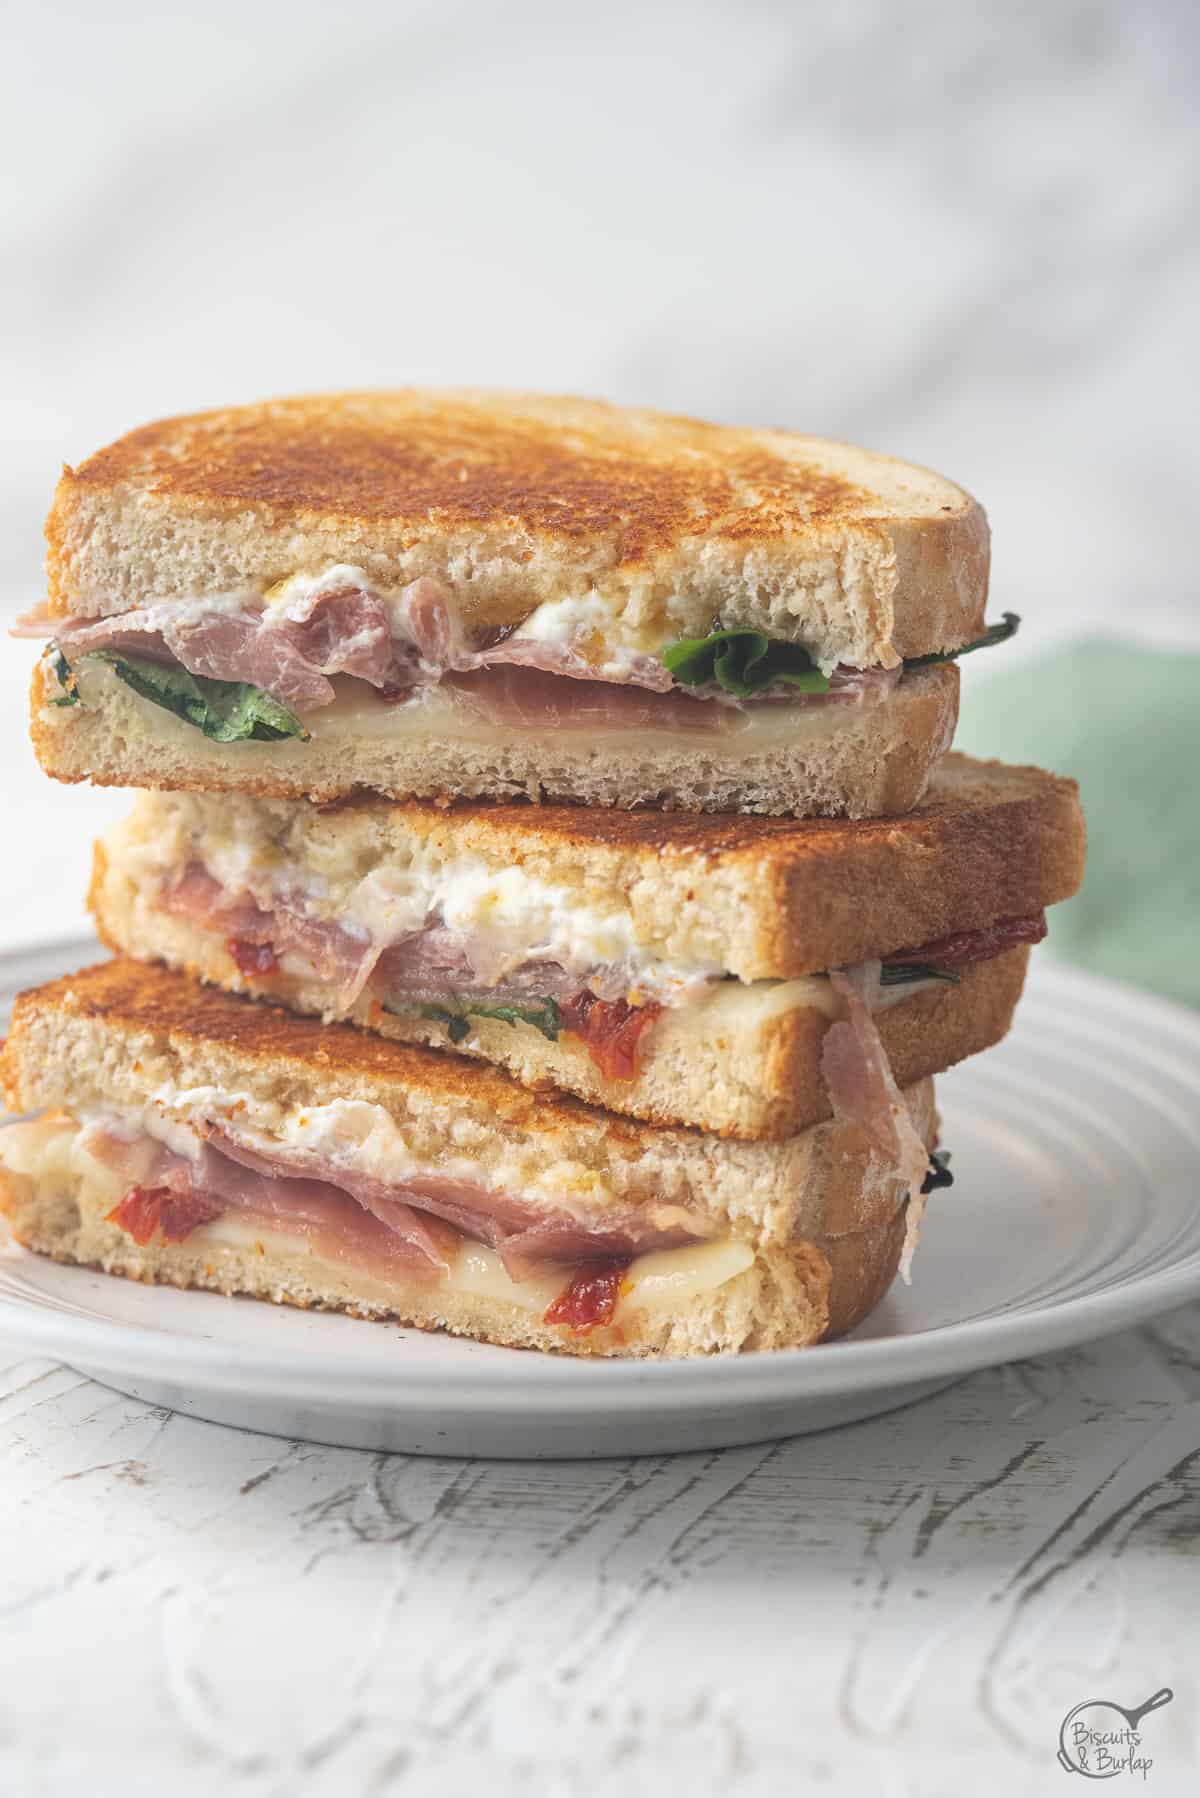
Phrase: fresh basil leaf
pixel 227 711
pixel 456 1024
pixel 902 973
pixel 66 680
pixel 939 1171
pixel 995 633
pixel 544 1016
pixel 743 663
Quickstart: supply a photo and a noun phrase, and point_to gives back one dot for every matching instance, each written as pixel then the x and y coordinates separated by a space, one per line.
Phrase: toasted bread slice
pixel 57 1202
pixel 792 1241
pixel 744 1061
pixel 756 898
pixel 833 761
pixel 513 499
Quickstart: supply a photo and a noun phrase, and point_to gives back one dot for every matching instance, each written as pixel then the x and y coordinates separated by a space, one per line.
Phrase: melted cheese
pixel 49 1151
pixel 434 712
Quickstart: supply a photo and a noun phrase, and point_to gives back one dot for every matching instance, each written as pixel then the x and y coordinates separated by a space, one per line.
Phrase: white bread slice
pixel 512 499
pixel 836 761
pixel 820 1215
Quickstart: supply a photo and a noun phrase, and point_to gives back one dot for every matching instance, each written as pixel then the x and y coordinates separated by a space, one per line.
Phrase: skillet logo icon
pixel 1100 1739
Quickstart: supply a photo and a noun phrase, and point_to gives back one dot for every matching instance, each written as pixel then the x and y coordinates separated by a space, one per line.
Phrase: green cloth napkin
pixel 1125 722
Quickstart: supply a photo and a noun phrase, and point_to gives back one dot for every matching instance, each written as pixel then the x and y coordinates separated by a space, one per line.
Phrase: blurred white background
pixel 964 233
pixel 968 234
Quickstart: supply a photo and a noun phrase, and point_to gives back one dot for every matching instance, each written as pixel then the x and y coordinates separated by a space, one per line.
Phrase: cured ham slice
pixel 437 966
pixel 303 1190
pixel 292 649
pixel 254 936
pixel 210 1183
pixel 434 966
pixel 253 958
pixel 444 649
pixel 290 653
pixel 527 1236
pixel 532 699
pixel 862 1090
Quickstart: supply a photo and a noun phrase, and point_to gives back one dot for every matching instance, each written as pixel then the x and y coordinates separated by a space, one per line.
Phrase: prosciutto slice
pixel 532 699
pixel 438 966
pixel 862 1090
pixel 434 966
pixel 339 627
pixel 444 649
pixel 291 653
pixel 412 1224
pixel 257 938
pixel 527 1235
pixel 188 1191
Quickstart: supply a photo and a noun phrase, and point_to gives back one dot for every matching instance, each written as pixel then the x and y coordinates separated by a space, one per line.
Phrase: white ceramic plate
pixel 1075 1211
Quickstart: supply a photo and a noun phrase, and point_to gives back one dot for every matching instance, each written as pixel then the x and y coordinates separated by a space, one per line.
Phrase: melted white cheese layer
pixel 436 712
pixel 52 1153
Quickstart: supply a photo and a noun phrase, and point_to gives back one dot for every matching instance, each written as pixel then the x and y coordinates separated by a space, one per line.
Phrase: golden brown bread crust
pixel 989 841
pixel 535 490
pixel 135 996
pixel 861 1268
pixel 562 467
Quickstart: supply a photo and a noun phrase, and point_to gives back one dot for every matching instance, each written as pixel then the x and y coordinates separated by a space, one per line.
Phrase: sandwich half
pixel 196 1139
pixel 460 594
pixel 682 970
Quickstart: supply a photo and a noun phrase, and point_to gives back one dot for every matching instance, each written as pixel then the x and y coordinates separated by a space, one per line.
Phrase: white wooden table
pixel 907 1606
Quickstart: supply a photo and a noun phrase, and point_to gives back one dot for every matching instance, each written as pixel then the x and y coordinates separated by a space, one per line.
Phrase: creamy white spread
pixel 584 622
pixel 509 915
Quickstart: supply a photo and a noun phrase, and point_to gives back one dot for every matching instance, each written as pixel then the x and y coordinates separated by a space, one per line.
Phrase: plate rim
pixel 532 1379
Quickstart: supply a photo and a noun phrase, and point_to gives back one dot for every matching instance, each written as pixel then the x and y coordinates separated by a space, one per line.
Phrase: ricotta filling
pixel 506 916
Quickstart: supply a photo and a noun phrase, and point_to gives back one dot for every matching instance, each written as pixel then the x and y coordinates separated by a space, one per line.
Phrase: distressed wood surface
pixel 908 1606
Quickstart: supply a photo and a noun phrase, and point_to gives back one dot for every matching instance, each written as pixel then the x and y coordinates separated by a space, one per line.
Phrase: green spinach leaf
pixel 996 633
pixel 542 1014
pixel 743 662
pixel 902 973
pixel 939 1171
pixel 66 680
pixel 227 711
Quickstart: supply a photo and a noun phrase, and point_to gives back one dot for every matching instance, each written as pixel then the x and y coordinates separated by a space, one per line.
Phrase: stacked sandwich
pixel 644 1066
